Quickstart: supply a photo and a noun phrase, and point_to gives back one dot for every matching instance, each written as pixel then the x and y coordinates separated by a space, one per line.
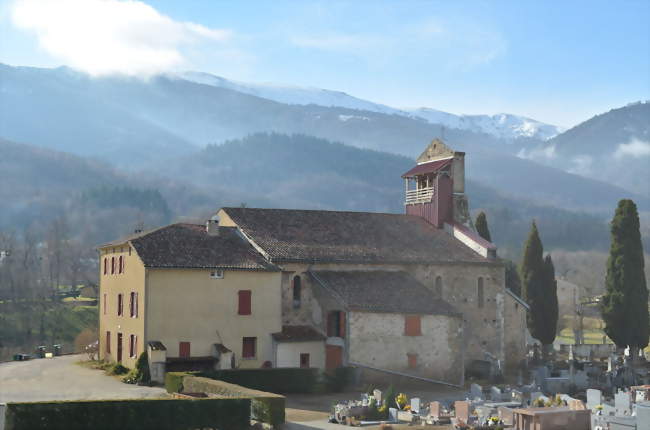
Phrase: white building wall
pixel 288 353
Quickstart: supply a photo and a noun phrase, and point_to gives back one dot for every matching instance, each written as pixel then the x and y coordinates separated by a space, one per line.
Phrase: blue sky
pixel 556 61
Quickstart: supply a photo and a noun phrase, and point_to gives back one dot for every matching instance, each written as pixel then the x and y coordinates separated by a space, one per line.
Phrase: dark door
pixel 304 360
pixel 184 349
pixel 119 347
pixel 333 356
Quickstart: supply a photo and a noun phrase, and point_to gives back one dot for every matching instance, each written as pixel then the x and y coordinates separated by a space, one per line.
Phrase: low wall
pixel 265 407
pixel 159 414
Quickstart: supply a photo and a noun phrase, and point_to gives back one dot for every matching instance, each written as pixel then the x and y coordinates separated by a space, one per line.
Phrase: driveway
pixel 60 378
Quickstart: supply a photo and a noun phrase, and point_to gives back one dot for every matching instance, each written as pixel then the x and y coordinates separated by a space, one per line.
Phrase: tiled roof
pixel 190 246
pixel 350 237
pixel 382 291
pixel 430 167
pixel 298 333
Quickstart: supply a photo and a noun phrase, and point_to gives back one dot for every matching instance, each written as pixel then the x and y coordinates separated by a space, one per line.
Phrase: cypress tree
pixel 513 281
pixel 625 303
pixel 551 307
pixel 482 227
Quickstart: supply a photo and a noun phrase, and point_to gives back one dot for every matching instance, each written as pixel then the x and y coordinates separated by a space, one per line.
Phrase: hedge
pixel 265 407
pixel 276 380
pixel 159 414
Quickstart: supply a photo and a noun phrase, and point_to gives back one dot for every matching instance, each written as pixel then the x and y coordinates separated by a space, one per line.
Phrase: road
pixel 60 378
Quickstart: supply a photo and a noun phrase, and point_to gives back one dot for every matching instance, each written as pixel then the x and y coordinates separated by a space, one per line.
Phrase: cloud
pixel 111 36
pixel 543 152
pixel 634 148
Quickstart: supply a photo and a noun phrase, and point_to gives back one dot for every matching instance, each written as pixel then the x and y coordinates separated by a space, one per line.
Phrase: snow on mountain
pixel 502 125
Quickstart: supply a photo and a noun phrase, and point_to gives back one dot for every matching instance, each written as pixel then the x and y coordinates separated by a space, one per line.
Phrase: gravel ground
pixel 60 378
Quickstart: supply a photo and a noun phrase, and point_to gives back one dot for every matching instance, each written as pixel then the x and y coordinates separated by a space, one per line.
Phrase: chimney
pixel 212 226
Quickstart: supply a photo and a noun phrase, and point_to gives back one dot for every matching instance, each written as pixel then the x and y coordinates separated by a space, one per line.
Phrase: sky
pixel 556 61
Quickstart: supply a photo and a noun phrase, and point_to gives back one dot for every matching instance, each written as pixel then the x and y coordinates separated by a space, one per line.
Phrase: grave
pixel 495 394
pixel 594 398
pixel 476 391
pixel 415 405
pixel 623 403
pixel 377 395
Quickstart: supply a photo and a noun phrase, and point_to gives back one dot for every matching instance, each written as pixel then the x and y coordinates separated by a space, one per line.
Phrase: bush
pixel 140 374
pixel 174 381
pixel 159 414
pixel 117 369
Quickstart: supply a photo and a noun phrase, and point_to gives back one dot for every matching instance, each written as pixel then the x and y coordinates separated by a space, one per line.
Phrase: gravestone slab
pixel 462 410
pixel 476 391
pixel 495 394
pixel 623 403
pixel 434 410
pixel 415 405
pixel 594 398
pixel 392 414
pixel 377 395
pixel 643 416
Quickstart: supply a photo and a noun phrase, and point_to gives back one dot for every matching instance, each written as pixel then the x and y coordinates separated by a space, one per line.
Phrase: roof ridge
pixel 313 210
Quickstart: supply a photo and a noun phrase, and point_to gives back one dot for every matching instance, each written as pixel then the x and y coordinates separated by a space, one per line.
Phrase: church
pixel 417 294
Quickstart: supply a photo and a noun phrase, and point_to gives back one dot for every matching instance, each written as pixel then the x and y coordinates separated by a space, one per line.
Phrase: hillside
pixel 613 147
pixel 132 123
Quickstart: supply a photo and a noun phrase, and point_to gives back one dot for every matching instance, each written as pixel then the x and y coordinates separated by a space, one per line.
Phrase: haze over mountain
pixel 612 147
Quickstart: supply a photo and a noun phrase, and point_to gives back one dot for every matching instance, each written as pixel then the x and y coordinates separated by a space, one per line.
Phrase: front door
pixel 119 347
pixel 333 356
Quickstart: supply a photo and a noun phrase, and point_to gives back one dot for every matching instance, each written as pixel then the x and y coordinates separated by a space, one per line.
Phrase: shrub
pixel 174 381
pixel 277 380
pixel 140 374
pixel 117 369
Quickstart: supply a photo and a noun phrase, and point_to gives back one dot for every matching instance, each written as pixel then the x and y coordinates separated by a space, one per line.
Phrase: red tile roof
pixel 430 167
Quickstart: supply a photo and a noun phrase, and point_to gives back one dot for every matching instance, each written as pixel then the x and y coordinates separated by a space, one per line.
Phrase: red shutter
pixel 184 349
pixel 342 324
pixel 108 342
pixel 412 325
pixel 244 302
pixel 412 360
pixel 248 347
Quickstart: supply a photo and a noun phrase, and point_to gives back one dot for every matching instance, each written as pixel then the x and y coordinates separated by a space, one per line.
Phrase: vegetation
pixel 140 373
pixel 539 290
pixel 625 303
pixel 107 197
pixel 481 225
pixel 513 281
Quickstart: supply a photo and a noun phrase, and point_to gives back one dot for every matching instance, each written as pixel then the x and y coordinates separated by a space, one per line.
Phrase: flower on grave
pixel 401 400
pixel 599 407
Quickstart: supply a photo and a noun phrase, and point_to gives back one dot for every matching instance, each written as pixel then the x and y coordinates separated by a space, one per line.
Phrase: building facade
pixel 417 294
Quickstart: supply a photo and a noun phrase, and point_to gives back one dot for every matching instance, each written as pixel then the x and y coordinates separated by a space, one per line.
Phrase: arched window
pixel 112 265
pixel 438 287
pixel 480 293
pixel 296 291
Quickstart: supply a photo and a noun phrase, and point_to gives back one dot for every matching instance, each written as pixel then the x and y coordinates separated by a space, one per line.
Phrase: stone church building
pixel 416 294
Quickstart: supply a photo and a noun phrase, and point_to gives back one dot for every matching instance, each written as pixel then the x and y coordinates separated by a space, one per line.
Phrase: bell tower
pixel 435 187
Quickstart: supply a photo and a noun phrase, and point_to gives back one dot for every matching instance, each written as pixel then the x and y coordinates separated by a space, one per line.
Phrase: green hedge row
pixel 276 380
pixel 159 414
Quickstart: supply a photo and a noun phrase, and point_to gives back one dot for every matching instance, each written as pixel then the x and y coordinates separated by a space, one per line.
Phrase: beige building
pixel 418 294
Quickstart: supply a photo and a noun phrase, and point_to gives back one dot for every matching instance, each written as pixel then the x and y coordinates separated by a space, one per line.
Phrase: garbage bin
pixel 57 350
pixel 40 351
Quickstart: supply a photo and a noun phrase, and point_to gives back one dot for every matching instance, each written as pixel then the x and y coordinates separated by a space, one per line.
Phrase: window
pixel 120 264
pixel 336 324
pixel 480 293
pixel 112 265
pixel 105 266
pixel 120 304
pixel 438 287
pixel 412 360
pixel 133 346
pixel 133 305
pixel 129 251
pixel 248 347
pixel 296 291
pixel 108 342
pixel 105 304
pixel 184 349
pixel 412 325
pixel 244 302
pixel 304 360
pixel 216 274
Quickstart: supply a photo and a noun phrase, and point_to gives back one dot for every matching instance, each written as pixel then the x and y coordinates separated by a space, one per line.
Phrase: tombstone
pixel 623 403
pixel 594 398
pixel 415 405
pixel 517 396
pixel 476 391
pixel 434 410
pixel 377 395
pixel 392 414
pixel 643 416
pixel 506 415
pixel 462 410
pixel 495 394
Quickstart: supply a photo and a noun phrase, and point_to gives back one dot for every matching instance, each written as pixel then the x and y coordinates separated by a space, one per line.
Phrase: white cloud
pixel 111 36
pixel 544 152
pixel 634 148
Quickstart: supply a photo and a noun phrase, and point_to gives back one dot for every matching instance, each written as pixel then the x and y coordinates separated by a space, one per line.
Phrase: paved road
pixel 61 379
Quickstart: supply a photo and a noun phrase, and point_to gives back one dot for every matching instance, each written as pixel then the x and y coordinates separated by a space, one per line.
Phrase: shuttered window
pixel 184 349
pixel 245 302
pixel 412 325
pixel 412 360
pixel 133 346
pixel 105 266
pixel 336 324
pixel 249 347
pixel 108 342
pixel 120 304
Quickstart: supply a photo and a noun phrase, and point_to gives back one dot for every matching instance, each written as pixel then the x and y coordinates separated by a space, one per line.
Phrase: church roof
pixel 190 246
pixel 287 235
pixel 428 167
pixel 382 291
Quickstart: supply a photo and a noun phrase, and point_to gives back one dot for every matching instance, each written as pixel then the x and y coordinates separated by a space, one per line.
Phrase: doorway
pixel 333 356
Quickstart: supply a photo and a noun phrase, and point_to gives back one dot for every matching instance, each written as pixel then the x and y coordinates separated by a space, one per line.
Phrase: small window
pixel 184 349
pixel 133 305
pixel 112 265
pixel 105 303
pixel 105 266
pixel 249 346
pixel 336 324
pixel 129 251
pixel 108 342
pixel 438 287
pixel 245 306
pixel 133 346
pixel 120 266
pixel 216 274
pixel 412 325
pixel 412 360
pixel 296 291
pixel 480 293
pixel 516 305
pixel 304 360
pixel 120 304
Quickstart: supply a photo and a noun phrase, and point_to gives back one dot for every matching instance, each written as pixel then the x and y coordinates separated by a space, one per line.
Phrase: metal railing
pixel 421 195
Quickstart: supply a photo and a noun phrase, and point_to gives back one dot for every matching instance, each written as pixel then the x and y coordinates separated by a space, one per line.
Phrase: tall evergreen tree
pixel 513 281
pixel 625 302
pixel 550 302
pixel 482 226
